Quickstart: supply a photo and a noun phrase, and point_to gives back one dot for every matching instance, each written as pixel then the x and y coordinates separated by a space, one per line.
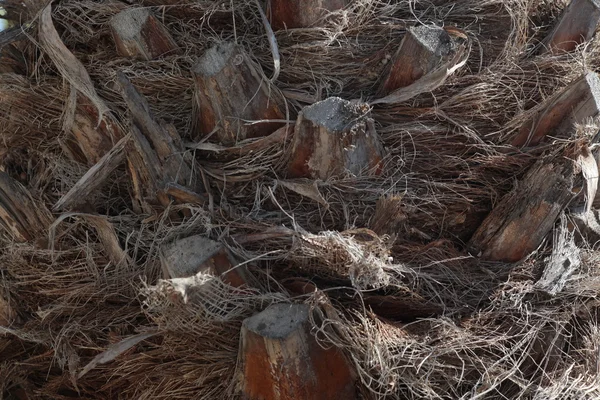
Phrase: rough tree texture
pixel 523 218
pixel 186 257
pixel 422 49
pixel 20 215
pixel 158 158
pixel 577 102
pixel 334 137
pixel 138 34
pixel 281 360
pixel 301 13
pixel 230 92
pixel 576 25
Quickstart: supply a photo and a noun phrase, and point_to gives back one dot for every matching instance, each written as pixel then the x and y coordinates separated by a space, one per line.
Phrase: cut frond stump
pixel 576 103
pixel 187 257
pixel 301 13
pixel 577 25
pixel 423 48
pixel 20 215
pixel 334 137
pixel 231 94
pixel 138 34
pixel 281 360
pixel 159 158
pixel 522 219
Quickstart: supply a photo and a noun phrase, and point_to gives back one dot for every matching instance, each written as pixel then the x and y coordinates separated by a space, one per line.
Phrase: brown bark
pixel 577 24
pixel 333 137
pixel 577 102
pixel 231 91
pixel 281 360
pixel 20 215
pixel 523 218
pixel 138 34
pixel 187 257
pixel 301 13
pixel 156 158
pixel 94 138
pixel 423 49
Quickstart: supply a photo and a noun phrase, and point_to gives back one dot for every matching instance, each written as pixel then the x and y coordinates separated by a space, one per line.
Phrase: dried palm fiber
pixel 416 314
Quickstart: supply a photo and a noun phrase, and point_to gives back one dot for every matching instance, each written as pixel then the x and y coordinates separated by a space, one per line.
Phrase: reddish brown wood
pixel 301 13
pixel 423 48
pixel 187 257
pixel 523 218
pixel 229 92
pixel 138 34
pixel 334 137
pixel 576 103
pixel 577 25
pixel 94 138
pixel 281 360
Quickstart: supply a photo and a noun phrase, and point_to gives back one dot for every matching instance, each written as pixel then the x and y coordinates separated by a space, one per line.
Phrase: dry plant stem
pixel 20 215
pixel 577 25
pixel 289 14
pixel 332 138
pixel 523 218
pixel 138 34
pixel 94 178
pixel 229 92
pixel 281 360
pixel 159 158
pixel 574 104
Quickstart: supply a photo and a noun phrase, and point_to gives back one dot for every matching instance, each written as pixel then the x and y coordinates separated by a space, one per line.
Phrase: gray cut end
pixel 182 258
pixel 215 59
pixel 593 81
pixel 433 38
pixel 128 24
pixel 278 321
pixel 335 114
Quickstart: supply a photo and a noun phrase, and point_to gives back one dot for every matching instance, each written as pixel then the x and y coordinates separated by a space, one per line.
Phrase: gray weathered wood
pixel 138 34
pixel 334 137
pixel 230 91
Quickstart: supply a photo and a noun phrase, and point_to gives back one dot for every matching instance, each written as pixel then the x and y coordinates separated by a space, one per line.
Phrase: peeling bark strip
pixel 577 25
pixel 22 217
pixel 230 92
pixel 577 102
pixel 281 360
pixel 187 257
pixel 159 158
pixel 138 34
pixel 94 177
pixel 93 140
pixel 301 13
pixel 423 49
pixel 519 223
pixel 333 137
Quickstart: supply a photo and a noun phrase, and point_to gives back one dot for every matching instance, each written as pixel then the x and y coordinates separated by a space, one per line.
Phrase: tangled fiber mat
pixel 393 261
